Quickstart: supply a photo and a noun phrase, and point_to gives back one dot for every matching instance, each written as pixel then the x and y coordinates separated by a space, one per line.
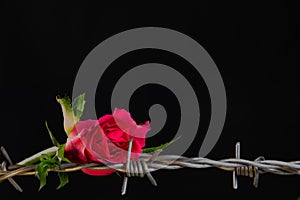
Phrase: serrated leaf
pixel 63 178
pixel 78 106
pixel 162 146
pixel 52 162
pixel 46 162
pixel 42 172
pixel 53 139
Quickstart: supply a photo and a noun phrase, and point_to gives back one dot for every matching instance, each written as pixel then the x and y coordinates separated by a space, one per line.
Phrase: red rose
pixel 105 140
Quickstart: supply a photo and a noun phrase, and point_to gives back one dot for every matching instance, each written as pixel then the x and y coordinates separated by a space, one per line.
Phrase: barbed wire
pixel 152 162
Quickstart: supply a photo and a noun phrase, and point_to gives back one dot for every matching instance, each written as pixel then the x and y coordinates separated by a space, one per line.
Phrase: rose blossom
pixel 104 141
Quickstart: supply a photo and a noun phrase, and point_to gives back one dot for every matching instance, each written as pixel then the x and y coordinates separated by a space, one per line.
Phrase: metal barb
pixel 124 186
pixel 127 171
pixel 146 170
pixel 3 168
pixel 137 168
pixel 128 157
pixel 256 172
pixel 234 173
pixel 154 155
pixel 6 156
pixel 246 170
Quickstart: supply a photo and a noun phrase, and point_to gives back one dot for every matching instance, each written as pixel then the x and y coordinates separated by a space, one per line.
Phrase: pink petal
pixel 74 150
pixel 140 131
pixel 106 119
pixel 123 119
pixel 94 172
pixel 96 144
pixel 128 125
pixel 115 135
pixel 136 145
pixel 79 126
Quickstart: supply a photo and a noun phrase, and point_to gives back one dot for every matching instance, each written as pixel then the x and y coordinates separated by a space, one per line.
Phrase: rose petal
pixel 114 135
pixel 94 172
pixel 127 124
pixel 123 119
pixel 136 145
pixel 79 126
pixel 74 150
pixel 140 132
pixel 96 144
pixel 106 141
pixel 106 120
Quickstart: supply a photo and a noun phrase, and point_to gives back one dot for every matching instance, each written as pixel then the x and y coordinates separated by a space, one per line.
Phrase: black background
pixel 255 46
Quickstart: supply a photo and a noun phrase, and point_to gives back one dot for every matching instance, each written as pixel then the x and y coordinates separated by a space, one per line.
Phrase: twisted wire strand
pixel 164 162
pixel 152 162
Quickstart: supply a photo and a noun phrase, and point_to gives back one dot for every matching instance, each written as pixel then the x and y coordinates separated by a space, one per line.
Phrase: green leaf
pixel 162 146
pixel 61 151
pixel 52 162
pixel 45 157
pixel 63 178
pixel 46 162
pixel 78 106
pixel 61 154
pixel 54 141
pixel 42 172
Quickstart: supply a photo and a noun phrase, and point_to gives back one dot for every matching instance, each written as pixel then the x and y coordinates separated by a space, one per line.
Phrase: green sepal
pixel 69 118
pixel 78 106
pixel 71 111
pixel 53 139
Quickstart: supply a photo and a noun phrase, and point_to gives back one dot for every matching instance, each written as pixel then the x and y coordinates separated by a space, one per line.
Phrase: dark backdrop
pixel 256 48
